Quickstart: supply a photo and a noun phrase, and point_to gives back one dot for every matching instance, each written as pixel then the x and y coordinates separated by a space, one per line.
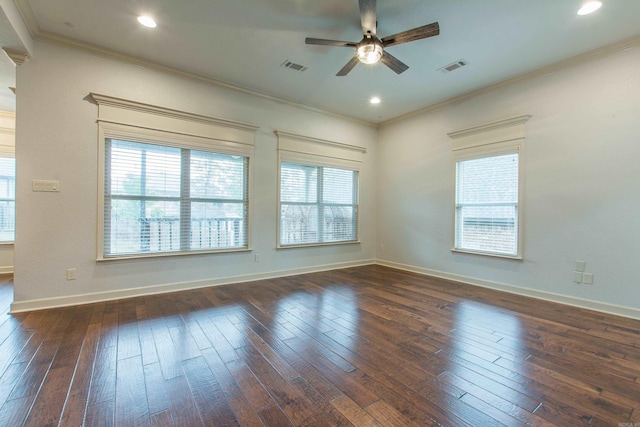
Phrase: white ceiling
pixel 244 42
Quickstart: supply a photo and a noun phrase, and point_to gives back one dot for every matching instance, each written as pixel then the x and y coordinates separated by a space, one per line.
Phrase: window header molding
pixel 132 113
pixel 315 151
pixel 490 133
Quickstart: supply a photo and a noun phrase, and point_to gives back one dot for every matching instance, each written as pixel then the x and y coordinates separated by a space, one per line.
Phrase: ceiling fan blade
pixel 394 63
pixel 368 16
pixel 325 42
pixel 423 32
pixel 345 70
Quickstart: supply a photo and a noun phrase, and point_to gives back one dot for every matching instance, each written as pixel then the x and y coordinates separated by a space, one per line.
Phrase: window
pixel 318 191
pixel 7 199
pixel 488 187
pixel 486 204
pixel 317 204
pixel 171 182
pixel 167 199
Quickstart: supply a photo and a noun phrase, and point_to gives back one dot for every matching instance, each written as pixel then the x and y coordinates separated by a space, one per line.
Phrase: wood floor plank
pixel 209 397
pixel 354 412
pixel 184 411
pixel 49 402
pixel 131 393
pixel 158 399
pixel 240 405
pixel 101 414
pixel 359 346
pixel 76 403
pixel 274 417
pixel 103 380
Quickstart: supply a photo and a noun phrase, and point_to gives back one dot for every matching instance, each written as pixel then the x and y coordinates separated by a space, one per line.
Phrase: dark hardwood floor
pixel 359 346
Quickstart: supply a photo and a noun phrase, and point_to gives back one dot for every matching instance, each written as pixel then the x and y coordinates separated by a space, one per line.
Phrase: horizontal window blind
pixel 318 204
pixel 161 199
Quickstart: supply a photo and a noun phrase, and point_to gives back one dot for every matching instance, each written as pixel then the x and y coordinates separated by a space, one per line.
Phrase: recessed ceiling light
pixel 147 21
pixel 589 7
pixel 374 100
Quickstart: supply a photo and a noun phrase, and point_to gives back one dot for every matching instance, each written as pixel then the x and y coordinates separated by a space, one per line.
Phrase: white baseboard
pixel 6 270
pixel 69 300
pixel 617 310
pixel 46 303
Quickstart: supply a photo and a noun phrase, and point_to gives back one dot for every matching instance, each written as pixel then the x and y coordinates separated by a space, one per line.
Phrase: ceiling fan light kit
pixel 370 49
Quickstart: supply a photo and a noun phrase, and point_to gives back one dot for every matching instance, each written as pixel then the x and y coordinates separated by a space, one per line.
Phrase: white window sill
pixel 156 255
pixel 315 245
pixel 488 254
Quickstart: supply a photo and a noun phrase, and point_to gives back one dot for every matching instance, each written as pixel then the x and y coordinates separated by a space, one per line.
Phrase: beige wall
pixel 57 140
pixel 582 191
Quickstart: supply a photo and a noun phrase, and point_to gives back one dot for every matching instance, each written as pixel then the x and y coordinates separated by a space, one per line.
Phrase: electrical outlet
pixel 579 266
pixel 587 278
pixel 577 276
pixel 71 274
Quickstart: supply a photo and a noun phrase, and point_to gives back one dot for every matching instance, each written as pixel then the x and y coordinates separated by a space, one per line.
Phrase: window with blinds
pixel 7 199
pixel 488 187
pixel 162 199
pixel 486 204
pixel 318 204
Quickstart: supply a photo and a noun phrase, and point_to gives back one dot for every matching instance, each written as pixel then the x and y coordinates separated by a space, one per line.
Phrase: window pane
pixel 144 169
pixel 298 224
pixel 144 226
pixel 487 204
pixel 339 223
pixel 7 221
pixel 218 176
pixel 7 199
pixel 488 180
pixel 488 228
pixel 306 218
pixel 7 178
pixel 218 225
pixel 338 186
pixel 298 183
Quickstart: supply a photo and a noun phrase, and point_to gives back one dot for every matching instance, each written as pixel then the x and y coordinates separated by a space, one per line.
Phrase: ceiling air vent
pixel 293 66
pixel 453 66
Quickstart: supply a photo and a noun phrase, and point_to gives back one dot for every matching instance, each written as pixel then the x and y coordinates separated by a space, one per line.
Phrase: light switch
pixel 580 266
pixel 43 185
pixel 577 276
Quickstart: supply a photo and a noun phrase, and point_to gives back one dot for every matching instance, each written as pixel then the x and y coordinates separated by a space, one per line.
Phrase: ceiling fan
pixel 371 49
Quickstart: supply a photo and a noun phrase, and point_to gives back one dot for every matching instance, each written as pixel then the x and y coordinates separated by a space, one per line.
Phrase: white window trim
pixel 137 122
pixel 499 137
pixel 312 151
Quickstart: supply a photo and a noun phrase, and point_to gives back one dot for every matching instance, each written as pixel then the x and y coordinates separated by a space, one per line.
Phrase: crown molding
pixel 28 17
pixel 291 135
pixel 168 112
pixel 18 58
pixel 486 127
pixel 582 58
pixel 7 115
